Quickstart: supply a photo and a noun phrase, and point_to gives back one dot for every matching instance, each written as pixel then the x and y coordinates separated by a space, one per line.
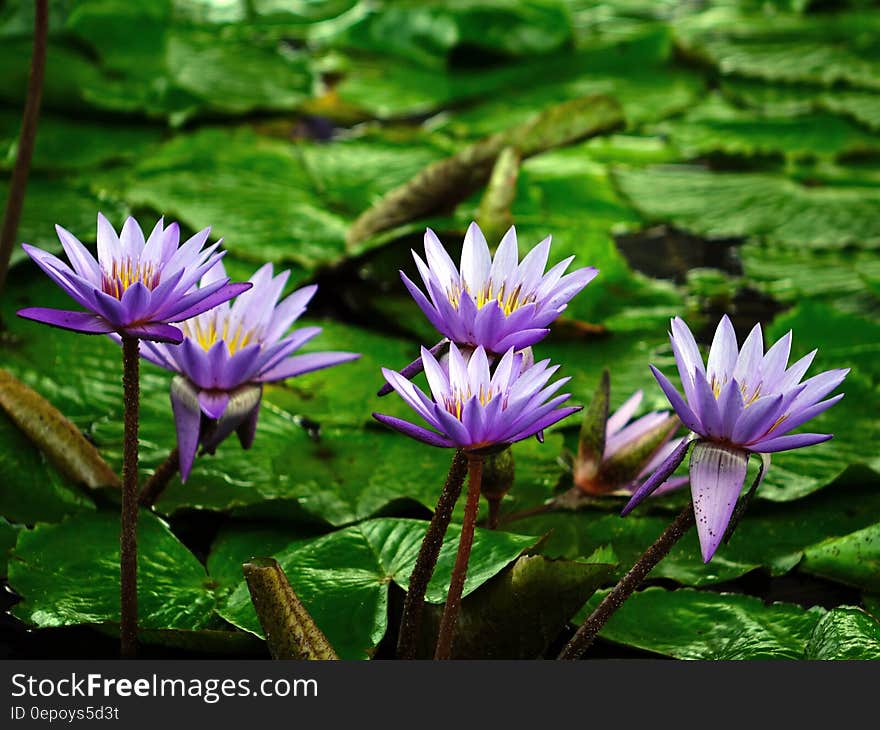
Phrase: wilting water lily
pixel 629 452
pixel 474 409
pixel 742 401
pixel 137 287
pixel 226 356
pixel 495 303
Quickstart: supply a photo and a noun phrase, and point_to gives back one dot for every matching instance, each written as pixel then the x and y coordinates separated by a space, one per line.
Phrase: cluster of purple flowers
pixel 485 392
pixel 491 309
pixel 222 351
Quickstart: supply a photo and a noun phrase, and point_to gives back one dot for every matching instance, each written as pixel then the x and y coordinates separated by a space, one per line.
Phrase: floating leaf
pixel 716 126
pixel 68 574
pixel 772 537
pixel 342 578
pixel 510 617
pixel 853 559
pixel 825 48
pixel 774 208
pixel 845 633
pixel 689 624
pixel 452 179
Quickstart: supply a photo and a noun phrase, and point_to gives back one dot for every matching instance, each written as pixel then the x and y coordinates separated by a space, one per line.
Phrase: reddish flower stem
pixel 157 483
pixel 588 631
pixel 459 571
pixel 128 537
pixel 426 561
pixel 26 139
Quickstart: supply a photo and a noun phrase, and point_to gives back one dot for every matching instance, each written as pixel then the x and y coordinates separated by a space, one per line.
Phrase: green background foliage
pixel 745 178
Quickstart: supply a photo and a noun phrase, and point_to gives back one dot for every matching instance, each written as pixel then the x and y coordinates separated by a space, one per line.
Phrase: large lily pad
pixel 772 537
pixel 689 624
pixel 342 578
pixel 69 574
pixel 771 207
pixel 845 633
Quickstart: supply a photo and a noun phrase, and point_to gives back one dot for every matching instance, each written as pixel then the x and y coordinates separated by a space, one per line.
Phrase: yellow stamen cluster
pixel 124 274
pixel 744 389
pixel 508 301
pixel 208 331
pixel 455 402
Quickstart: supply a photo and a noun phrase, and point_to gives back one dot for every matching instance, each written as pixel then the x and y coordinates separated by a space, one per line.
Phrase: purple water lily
pixel 226 356
pixel 742 401
pixel 640 446
pixel 137 287
pixel 474 409
pixel 496 303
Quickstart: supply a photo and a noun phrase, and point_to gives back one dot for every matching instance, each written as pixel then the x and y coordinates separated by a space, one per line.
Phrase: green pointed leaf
pixel 68 574
pixel 342 578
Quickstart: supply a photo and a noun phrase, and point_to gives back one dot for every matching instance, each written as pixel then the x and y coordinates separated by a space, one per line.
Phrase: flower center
pixel 125 273
pixel 748 395
pixel 455 402
pixel 509 301
pixel 207 331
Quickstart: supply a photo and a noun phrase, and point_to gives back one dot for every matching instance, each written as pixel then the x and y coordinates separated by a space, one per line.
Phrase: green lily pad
pixel 510 617
pixel 633 69
pixel 853 559
pixel 689 624
pixel 8 536
pixel 862 107
pixel 825 48
pixel 293 202
pixel 68 202
pixel 772 537
pixel 715 126
pixel 68 574
pixel 427 32
pixel 342 578
pixel 770 207
pixel 845 633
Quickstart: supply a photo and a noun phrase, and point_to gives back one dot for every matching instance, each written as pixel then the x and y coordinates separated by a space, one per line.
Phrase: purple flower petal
pixel 792 421
pixel 622 415
pixel 706 407
pixel 413 431
pixel 521 340
pixel 302 364
pixel 415 367
pixel 248 428
pixel 664 471
pixel 422 301
pixel 757 419
pixel 213 402
pixel 86 322
pixel 476 260
pixel 82 261
pixel 730 406
pixel 717 474
pixel 155 332
pixel 687 356
pixel 687 416
pixel 722 354
pixel 789 442
pixel 224 294
pixel 750 356
pixel 187 421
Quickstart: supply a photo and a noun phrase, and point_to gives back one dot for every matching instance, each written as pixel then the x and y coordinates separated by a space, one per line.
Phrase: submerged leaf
pixel 56 436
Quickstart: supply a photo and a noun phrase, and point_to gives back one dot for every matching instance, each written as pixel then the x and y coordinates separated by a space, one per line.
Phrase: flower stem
pixel 494 513
pixel 427 558
pixel 157 483
pixel 586 634
pixel 459 571
pixel 128 537
pixel 26 139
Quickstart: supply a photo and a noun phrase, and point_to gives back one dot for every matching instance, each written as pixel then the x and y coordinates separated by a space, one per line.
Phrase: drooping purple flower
pixel 742 401
pixel 137 287
pixel 473 408
pixel 226 356
pixel 632 451
pixel 494 303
